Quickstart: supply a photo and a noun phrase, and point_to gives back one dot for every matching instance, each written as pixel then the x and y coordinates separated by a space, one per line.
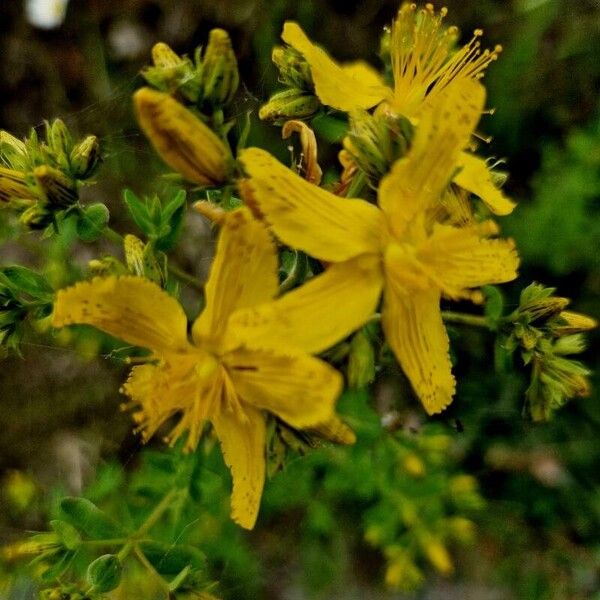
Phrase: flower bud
pixel 336 431
pixel 59 138
pixel 13 186
pixel 361 361
pixel 289 104
pixel 572 322
pixel 181 139
pixel 11 146
pixel 36 217
pixel 293 69
pixel 164 57
pixel 85 157
pixel 220 75
pixel 59 191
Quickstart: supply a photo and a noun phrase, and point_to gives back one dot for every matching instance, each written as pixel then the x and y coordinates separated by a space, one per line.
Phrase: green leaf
pixel 92 221
pixel 21 279
pixel 68 535
pixel 104 574
pixel 59 567
pixel 86 517
pixel 172 219
pixel 139 213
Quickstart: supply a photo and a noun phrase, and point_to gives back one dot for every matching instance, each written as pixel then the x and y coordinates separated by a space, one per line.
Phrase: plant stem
pixel 450 317
pixel 156 514
pixel 464 319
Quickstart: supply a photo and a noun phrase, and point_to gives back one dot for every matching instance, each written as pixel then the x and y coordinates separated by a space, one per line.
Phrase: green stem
pixel 156 514
pixel 464 319
pixel 450 317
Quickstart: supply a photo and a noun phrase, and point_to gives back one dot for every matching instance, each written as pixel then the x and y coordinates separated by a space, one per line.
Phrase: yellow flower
pixel 393 247
pixel 181 139
pixel 424 65
pixel 219 375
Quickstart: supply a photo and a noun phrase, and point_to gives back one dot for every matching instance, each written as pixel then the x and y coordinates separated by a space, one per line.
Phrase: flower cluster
pixel 400 232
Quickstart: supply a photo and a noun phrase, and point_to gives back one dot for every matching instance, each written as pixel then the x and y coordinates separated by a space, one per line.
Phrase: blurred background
pixel 539 525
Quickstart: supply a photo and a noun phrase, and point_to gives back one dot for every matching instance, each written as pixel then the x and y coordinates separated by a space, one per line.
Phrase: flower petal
pixel 243 446
pixel 318 314
pixel 344 87
pixel 459 258
pixel 414 329
pixel 130 308
pixel 475 177
pixel 297 387
pixel 243 274
pixel 305 216
pixel 418 179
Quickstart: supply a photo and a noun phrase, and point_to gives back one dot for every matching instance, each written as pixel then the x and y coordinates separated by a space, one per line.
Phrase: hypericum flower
pixel 181 139
pixel 220 375
pixel 424 64
pixel 394 248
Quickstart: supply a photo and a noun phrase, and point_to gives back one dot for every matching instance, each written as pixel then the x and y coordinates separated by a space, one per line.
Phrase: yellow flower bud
pixel 289 104
pixel 438 556
pixel 164 57
pixel 361 361
pixel 413 465
pixel 10 144
pixel 85 157
pixel 574 323
pixel 220 75
pixel 336 431
pixel 13 186
pixel 181 139
pixel 59 191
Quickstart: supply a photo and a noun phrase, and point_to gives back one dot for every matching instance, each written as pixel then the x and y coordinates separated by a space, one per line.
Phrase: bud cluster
pixel 211 78
pixel 546 334
pixel 41 177
pixel 298 100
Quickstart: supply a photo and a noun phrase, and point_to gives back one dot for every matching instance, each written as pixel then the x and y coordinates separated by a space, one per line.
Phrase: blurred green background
pixel 539 531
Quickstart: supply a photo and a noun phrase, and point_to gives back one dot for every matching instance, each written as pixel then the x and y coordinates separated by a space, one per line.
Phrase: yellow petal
pixel 130 308
pixel 305 216
pixel 414 329
pixel 418 179
pixel 298 388
pixel 183 141
pixel 459 258
pixel 474 176
pixel 318 314
pixel 243 273
pixel 342 87
pixel 243 445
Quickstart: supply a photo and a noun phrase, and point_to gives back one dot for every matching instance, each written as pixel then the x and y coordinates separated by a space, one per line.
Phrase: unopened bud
pixel 293 69
pixel 10 145
pixel 164 57
pixel 85 157
pixel 220 74
pixel 181 139
pixel 59 191
pixel 361 361
pixel 572 322
pixel 59 138
pixel 289 104
pixel 36 217
pixel 13 186
pixel 336 431
pixel 543 308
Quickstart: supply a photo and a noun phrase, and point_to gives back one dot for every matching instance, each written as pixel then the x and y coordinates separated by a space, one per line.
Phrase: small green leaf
pixel 92 221
pixel 59 567
pixel 86 517
pixel 172 218
pixel 139 213
pixel 104 574
pixel 21 279
pixel 68 535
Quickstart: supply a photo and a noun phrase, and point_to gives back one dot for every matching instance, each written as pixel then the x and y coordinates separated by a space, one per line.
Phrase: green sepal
pixel 104 574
